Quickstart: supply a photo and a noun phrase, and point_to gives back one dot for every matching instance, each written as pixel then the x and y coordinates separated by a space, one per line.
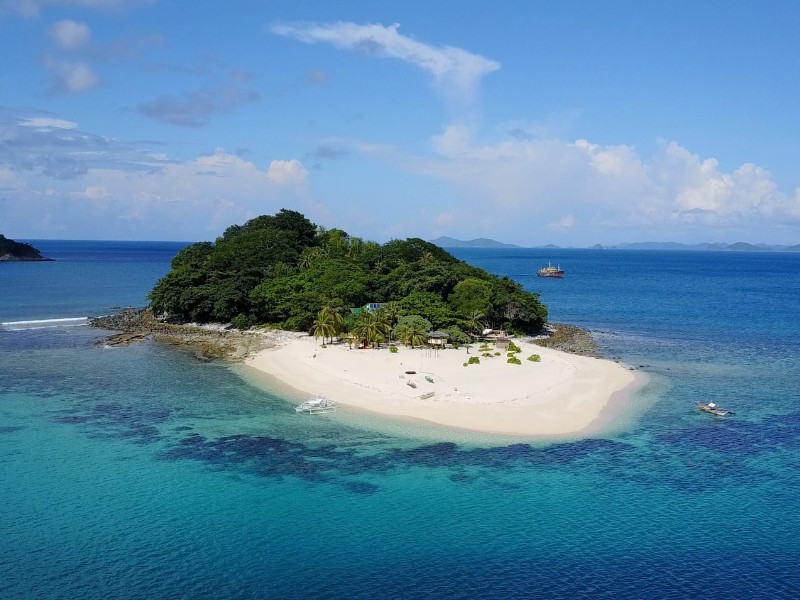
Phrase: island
pixel 11 251
pixel 402 329
pixel 448 242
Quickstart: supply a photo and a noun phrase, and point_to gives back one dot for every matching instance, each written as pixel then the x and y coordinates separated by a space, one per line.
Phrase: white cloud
pixel 592 192
pixel 46 123
pixel 70 35
pixel 94 192
pixel 566 222
pixel 287 172
pixel 195 199
pixel 72 77
pixel 457 71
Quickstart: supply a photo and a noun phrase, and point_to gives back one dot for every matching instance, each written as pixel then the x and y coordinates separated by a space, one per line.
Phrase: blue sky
pixel 571 123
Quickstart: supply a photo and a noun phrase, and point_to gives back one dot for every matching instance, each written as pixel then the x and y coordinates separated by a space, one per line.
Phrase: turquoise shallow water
pixel 141 473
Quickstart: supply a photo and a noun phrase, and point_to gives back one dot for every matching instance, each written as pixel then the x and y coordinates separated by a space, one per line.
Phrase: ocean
pixel 140 472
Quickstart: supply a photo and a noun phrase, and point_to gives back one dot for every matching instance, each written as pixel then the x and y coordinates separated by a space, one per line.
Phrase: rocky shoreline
pixel 569 338
pixel 207 343
pixel 218 341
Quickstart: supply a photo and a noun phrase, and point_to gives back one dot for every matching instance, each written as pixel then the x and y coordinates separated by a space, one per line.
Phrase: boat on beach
pixel 551 271
pixel 316 405
pixel 712 409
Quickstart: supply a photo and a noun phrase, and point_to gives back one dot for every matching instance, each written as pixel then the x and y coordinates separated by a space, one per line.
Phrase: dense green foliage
pixel 284 270
pixel 18 250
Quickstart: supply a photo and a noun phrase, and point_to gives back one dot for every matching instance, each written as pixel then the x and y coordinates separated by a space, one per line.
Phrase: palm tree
pixel 371 327
pixel 355 247
pixel 426 259
pixel 310 256
pixel 475 321
pixel 333 310
pixel 415 334
pixel 323 326
pixel 391 312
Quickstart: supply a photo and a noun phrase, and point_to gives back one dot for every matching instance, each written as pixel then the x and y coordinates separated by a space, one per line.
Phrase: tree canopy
pixel 286 271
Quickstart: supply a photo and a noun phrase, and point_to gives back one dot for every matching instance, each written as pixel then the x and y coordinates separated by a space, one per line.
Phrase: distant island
pixel 448 242
pixel 11 251
pixel 711 246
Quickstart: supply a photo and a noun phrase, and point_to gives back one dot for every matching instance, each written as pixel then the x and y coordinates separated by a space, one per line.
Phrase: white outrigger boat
pixel 317 405
pixel 713 409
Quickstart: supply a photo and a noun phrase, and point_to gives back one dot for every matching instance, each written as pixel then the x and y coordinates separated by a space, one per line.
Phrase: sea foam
pixel 44 323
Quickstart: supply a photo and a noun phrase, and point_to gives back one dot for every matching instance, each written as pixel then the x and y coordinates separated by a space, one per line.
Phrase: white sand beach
pixel 561 394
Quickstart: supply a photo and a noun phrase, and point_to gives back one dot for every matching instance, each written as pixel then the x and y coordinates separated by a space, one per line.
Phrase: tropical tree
pixel 323 326
pixel 412 330
pixel 391 313
pixel 371 327
pixel 457 336
pixel 415 334
pixel 470 295
pixel 475 321
pixel 333 310
pixel 310 257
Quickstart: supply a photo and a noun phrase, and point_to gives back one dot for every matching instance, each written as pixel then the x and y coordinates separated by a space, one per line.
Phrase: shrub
pixel 474 360
pixel 393 349
pixel 487 355
pixel 497 353
pixel 534 358
pixel 240 321
pixel 514 360
pixel 512 347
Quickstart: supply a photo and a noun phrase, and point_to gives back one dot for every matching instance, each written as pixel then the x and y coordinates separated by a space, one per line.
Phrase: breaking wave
pixel 44 323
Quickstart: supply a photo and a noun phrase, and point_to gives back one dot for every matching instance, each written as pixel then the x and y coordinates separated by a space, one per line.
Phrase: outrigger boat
pixel 713 409
pixel 317 405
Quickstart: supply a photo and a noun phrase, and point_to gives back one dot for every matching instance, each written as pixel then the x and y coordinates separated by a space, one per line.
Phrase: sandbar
pixel 561 394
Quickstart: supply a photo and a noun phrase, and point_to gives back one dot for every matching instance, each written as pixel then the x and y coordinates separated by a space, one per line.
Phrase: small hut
pixel 437 339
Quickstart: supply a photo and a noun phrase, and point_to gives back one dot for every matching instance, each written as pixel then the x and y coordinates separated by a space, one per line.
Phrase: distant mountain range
pixel 715 246
pixel 448 242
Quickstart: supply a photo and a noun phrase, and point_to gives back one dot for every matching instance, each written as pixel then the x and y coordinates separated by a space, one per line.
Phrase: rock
pixel 569 338
pixel 139 324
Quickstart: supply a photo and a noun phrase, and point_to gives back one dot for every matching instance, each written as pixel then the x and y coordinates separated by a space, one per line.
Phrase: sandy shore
pixel 562 394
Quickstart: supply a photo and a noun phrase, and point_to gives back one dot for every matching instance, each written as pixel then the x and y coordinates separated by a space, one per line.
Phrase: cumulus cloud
pixel 58 180
pixel 455 70
pixel 70 35
pixel 71 76
pixel 287 172
pixel 589 191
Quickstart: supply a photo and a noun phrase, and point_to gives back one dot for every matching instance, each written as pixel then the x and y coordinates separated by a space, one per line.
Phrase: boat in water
pixel 317 405
pixel 550 271
pixel 712 409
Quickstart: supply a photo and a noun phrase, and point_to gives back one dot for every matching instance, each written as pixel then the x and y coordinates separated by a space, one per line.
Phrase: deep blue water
pixel 139 472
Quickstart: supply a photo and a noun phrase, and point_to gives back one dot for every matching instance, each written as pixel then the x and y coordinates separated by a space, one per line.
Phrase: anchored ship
pixel 550 271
